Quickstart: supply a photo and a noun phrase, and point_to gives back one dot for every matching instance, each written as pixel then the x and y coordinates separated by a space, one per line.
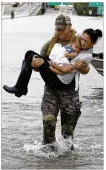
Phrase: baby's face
pixel 76 48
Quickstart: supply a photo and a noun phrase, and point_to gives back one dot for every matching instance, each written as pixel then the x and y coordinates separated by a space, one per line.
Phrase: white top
pixel 57 55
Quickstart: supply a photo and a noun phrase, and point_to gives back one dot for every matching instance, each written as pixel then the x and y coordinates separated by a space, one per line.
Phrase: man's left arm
pixel 78 65
pixel 81 67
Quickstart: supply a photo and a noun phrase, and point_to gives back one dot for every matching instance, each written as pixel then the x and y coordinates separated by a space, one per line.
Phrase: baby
pixel 62 55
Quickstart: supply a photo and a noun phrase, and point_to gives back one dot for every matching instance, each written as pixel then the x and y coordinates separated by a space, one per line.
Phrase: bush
pixel 83 9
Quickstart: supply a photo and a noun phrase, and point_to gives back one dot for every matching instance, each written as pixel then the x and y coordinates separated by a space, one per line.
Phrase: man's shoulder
pixel 73 35
pixel 72 29
pixel 78 34
pixel 45 48
pixel 47 42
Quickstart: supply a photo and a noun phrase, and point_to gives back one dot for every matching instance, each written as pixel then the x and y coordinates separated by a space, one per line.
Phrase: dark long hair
pixel 93 34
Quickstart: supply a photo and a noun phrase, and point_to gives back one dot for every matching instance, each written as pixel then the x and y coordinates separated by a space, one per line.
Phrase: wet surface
pixel 21 143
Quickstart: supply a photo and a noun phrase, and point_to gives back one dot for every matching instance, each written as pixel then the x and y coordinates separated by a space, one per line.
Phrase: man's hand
pixel 55 71
pixel 78 65
pixel 36 62
pixel 56 67
pixel 81 66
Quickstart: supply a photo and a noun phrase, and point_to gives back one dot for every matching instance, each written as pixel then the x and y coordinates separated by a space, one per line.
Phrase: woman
pixel 88 39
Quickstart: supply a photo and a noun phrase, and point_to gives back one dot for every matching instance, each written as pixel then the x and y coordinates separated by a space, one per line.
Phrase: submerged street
pixel 21 135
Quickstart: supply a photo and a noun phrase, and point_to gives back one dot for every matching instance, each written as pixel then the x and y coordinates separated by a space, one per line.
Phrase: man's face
pixel 86 41
pixel 59 30
pixel 61 34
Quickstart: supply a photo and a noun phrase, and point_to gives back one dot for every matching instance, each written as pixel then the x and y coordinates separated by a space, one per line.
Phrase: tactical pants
pixel 67 102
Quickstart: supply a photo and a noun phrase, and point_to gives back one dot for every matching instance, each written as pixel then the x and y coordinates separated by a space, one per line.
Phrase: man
pixel 64 99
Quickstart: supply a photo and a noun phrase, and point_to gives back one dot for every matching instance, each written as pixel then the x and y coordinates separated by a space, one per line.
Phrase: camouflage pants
pixel 67 102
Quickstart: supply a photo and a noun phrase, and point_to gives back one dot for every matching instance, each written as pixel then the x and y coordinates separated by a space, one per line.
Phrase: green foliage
pixel 83 9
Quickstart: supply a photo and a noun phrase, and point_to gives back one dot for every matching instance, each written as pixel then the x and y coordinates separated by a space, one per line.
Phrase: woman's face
pixel 86 42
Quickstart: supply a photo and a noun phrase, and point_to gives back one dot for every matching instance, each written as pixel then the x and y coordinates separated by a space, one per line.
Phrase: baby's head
pixel 76 45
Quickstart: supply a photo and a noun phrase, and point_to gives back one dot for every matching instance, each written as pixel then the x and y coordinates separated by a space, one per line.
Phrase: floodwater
pixel 21 135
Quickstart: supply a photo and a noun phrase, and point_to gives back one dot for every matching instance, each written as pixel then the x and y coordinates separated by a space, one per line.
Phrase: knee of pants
pixel 49 117
pixel 49 124
pixel 28 53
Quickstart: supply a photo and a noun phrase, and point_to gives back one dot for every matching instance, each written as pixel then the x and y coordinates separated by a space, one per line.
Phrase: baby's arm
pixel 71 55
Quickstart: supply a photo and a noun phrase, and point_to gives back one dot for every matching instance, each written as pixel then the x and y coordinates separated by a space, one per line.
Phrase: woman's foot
pixel 15 90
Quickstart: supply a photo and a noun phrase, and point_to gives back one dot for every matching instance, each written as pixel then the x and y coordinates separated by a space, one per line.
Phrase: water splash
pixel 60 147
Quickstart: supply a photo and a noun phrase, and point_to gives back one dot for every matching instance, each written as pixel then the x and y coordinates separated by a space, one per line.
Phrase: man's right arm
pixel 44 49
pixel 36 62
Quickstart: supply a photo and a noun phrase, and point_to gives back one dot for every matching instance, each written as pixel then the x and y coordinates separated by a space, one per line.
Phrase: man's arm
pixel 63 69
pixel 81 62
pixel 56 71
pixel 36 62
pixel 78 65
pixel 81 66
pixel 44 49
pixel 85 70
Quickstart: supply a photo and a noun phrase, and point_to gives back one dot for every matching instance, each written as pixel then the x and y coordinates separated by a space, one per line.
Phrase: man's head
pixel 61 22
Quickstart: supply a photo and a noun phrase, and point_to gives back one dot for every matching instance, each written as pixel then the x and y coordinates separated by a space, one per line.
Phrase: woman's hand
pixel 36 62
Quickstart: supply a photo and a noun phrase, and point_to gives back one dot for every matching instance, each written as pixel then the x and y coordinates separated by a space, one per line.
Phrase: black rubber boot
pixel 21 85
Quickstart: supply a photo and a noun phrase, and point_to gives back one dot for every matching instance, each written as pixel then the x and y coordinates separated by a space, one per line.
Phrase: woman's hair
pixel 94 34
